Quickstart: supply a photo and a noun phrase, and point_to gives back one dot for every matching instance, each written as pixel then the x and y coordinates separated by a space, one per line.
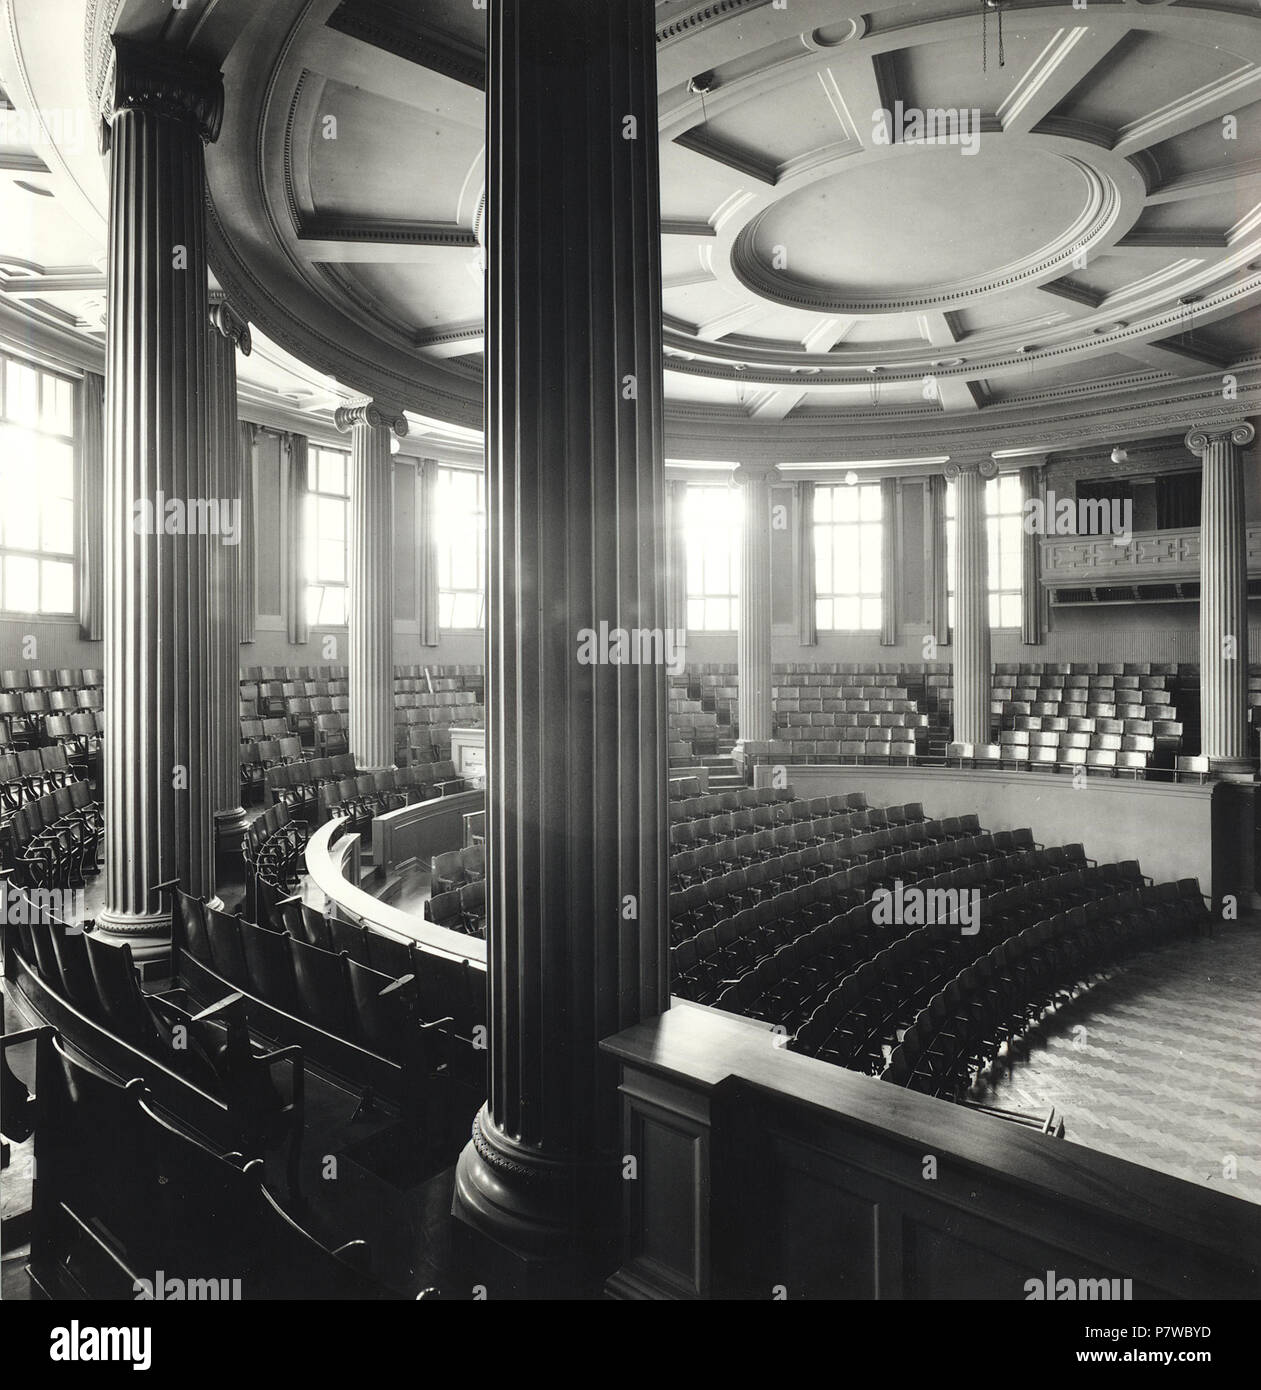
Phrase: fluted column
pixel 575 716
pixel 371 617
pixel 1223 596
pixel 971 645
pixel 228 332
pixel 753 644
pixel 1031 490
pixel 158 791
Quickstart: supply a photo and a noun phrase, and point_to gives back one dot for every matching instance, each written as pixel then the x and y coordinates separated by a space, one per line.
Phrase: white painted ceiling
pixel 820 272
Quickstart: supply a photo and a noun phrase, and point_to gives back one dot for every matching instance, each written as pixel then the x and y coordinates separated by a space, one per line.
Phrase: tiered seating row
pixel 51 824
pixel 990 1003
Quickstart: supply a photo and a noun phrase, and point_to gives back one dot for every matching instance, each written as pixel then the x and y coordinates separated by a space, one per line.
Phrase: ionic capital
pixel 985 465
pixel 1239 433
pixel 225 319
pixel 369 415
pixel 163 83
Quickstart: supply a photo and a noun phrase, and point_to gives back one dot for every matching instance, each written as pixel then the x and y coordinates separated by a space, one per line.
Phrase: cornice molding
pixel 424 46
pixel 704 14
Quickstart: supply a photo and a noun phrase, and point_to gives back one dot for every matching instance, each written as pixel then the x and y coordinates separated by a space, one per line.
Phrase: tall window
pixel 714 517
pixel 461 541
pixel 847 545
pixel 327 537
pixel 1004 527
pixel 36 490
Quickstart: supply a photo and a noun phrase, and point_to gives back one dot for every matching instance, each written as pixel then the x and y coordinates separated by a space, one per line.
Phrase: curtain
pixel 803 564
pixel 890 561
pixel 1030 588
pixel 427 560
pixel 90 490
pixel 1177 500
pixel 295 446
pixel 935 526
pixel 676 561
pixel 246 434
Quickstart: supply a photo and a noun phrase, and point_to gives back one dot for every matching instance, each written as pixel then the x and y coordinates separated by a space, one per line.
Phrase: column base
pixel 233 822
pixel 148 934
pixel 532 1222
pixel 1233 769
pixel 740 757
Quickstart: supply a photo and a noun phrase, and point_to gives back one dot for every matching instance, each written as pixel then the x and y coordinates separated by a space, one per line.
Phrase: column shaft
pixel 753 646
pixel 1223 597
pixel 227 332
pixel 158 798
pixel 971 646
pixel 371 617
pixel 576 718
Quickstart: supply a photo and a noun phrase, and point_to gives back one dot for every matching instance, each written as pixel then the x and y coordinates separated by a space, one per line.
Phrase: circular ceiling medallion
pixel 924 228
pixel 833 35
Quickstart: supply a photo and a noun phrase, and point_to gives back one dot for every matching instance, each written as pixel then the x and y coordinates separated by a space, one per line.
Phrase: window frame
pixel 38 553
pixel 849 532
pixel 449 594
pixel 729 525
pixel 314 495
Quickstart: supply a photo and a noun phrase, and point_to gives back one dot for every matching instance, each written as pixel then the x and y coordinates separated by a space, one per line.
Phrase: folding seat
pixel 227 956
pixel 118 992
pixel 348 938
pixel 268 965
pixel 191 914
pixel 443 909
pixel 473 907
pixel 448 871
pixel 301 718
pixel 70 950
pixel 289 750
pixel 330 735
pixel 81 825
pixel 320 986
pixel 1101 760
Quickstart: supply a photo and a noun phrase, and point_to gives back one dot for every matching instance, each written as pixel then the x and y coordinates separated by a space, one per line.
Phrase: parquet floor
pixel 1161 1063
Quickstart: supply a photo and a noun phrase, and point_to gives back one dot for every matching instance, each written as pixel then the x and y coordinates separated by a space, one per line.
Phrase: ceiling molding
pixel 396 31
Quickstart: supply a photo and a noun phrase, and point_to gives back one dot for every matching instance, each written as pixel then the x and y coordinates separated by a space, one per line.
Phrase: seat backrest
pixel 320 984
pixel 72 960
pixel 118 991
pixel 227 955
pixel 268 965
pixel 388 956
pixel 380 1013
pixel 348 938
pixel 315 927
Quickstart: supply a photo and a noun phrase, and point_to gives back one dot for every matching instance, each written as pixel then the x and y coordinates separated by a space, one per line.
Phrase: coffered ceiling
pixel 1075 255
